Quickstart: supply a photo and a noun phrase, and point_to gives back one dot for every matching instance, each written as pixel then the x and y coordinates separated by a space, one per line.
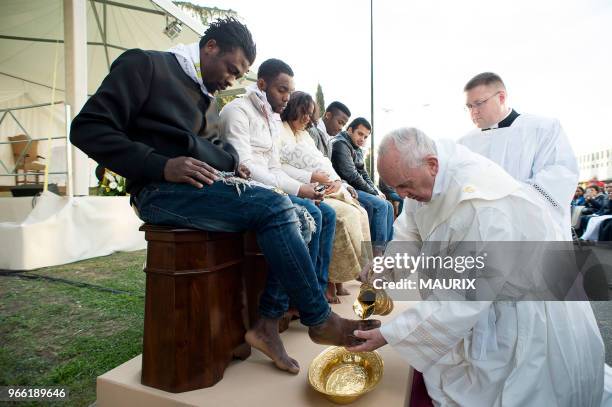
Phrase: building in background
pixel 596 164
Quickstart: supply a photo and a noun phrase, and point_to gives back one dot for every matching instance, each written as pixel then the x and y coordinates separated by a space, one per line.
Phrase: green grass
pixel 57 334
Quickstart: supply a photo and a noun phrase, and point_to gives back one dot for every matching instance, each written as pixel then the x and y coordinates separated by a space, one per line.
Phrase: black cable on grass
pixel 20 274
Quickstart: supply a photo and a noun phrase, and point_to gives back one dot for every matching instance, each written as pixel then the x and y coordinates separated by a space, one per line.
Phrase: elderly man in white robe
pixel 532 149
pixel 483 353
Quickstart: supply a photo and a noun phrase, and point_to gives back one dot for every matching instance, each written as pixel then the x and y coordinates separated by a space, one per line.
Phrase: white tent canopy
pixel 84 37
pixel 32 40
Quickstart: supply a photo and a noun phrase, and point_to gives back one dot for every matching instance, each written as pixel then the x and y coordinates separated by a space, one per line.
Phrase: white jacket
pixel 251 127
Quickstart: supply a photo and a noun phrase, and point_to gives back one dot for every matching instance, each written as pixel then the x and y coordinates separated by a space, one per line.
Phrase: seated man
pixel 148 122
pixel 336 116
pixel 347 159
pixel 484 352
pixel 251 125
pixel 595 204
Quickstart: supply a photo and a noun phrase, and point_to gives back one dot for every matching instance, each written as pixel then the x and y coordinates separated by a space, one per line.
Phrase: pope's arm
pixel 430 329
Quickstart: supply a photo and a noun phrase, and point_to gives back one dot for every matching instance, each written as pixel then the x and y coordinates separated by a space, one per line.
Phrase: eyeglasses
pixel 480 103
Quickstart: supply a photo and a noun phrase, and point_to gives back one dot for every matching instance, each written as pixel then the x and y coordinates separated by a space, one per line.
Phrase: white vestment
pixel 534 150
pixel 502 353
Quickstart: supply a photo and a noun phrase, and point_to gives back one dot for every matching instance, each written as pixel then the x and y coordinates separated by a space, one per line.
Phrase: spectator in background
pixel 578 197
pixel 596 182
pixel 594 200
pixel 594 222
pixel 347 159
pixel 596 204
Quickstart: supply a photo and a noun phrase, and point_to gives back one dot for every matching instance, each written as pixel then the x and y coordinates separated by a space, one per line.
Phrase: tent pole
pixel 75 62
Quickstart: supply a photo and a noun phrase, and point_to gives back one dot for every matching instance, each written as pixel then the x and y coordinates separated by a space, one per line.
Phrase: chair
pixel 25 154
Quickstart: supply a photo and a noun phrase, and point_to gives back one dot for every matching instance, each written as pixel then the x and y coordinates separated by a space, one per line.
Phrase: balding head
pixel 408 162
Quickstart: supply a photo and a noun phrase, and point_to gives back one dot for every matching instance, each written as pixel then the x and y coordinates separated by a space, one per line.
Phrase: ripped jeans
pixel 230 208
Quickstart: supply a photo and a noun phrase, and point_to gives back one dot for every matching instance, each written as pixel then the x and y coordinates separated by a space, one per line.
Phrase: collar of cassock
pixel 507 122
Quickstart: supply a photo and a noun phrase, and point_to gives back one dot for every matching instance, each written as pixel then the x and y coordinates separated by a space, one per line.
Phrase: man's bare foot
pixel 264 336
pixel 340 290
pixel 330 294
pixel 295 314
pixel 339 331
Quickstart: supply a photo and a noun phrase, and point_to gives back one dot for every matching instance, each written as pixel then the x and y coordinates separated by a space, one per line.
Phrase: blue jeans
pixel 394 196
pixel 380 215
pixel 322 241
pixel 219 208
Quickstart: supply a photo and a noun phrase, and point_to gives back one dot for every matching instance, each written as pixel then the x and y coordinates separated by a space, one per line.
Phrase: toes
pixel 295 362
pixel 369 324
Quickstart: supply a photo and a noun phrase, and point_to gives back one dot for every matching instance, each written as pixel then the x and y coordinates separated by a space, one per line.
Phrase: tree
pixel 368 165
pixel 320 100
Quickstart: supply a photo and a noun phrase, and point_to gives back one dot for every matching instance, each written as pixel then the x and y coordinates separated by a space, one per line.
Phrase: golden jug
pixel 372 301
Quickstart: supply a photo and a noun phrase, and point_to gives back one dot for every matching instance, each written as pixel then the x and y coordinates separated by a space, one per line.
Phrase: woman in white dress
pixel 301 159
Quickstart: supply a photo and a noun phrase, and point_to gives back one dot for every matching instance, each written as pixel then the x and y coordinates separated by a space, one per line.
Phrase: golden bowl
pixel 344 376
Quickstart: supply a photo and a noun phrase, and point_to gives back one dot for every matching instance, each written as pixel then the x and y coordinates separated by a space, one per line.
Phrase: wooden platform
pixel 256 382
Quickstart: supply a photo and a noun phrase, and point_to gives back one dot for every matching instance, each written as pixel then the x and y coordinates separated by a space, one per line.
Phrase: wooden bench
pixel 202 290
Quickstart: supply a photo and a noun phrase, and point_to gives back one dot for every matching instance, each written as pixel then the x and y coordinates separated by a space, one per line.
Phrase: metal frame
pixel 14 173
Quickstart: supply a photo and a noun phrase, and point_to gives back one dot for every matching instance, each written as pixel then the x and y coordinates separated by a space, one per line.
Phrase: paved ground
pixel 603 313
pixel 603 309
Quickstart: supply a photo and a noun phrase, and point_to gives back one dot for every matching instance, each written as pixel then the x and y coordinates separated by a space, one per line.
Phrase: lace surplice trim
pixel 545 194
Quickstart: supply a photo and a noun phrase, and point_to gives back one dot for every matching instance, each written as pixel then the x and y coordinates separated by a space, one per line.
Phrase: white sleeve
pixel 283 180
pixel 427 331
pixel 235 130
pixel 303 176
pixel 555 169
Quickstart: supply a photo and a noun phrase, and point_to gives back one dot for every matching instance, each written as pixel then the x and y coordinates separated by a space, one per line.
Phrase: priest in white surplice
pixel 483 353
pixel 532 149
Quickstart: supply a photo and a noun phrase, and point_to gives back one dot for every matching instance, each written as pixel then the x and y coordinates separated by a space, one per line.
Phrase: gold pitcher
pixel 372 301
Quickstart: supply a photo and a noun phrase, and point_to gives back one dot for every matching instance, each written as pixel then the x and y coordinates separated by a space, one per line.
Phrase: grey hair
pixel 412 144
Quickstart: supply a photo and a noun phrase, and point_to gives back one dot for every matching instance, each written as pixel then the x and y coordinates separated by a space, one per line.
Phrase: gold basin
pixel 344 376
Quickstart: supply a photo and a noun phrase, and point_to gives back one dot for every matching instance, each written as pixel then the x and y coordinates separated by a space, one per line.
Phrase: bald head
pixel 408 162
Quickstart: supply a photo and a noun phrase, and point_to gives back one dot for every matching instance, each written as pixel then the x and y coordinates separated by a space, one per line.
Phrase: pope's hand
pixel 374 340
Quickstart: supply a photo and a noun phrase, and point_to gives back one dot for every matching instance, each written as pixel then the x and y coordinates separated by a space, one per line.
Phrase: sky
pixel 554 56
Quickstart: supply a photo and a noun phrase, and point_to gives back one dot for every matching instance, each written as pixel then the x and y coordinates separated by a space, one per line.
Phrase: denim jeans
pixel 380 215
pixel 219 208
pixel 322 241
pixel 394 196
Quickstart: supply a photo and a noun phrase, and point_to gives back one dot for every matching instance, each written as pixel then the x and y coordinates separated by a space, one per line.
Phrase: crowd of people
pixel 592 211
pixel 269 162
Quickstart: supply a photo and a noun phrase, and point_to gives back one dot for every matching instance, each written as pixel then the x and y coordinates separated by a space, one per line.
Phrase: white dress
pixel 502 353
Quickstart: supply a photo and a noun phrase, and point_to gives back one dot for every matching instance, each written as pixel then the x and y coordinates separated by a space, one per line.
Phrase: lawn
pixel 67 331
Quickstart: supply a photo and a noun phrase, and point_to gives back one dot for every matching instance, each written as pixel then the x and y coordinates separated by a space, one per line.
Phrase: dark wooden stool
pixel 199 302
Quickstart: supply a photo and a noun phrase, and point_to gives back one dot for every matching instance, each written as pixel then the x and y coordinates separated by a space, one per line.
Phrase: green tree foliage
pixel 320 100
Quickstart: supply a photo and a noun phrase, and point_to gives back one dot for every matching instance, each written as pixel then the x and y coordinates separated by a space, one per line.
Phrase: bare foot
pixel 264 336
pixel 330 294
pixel 295 314
pixel 340 290
pixel 339 331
